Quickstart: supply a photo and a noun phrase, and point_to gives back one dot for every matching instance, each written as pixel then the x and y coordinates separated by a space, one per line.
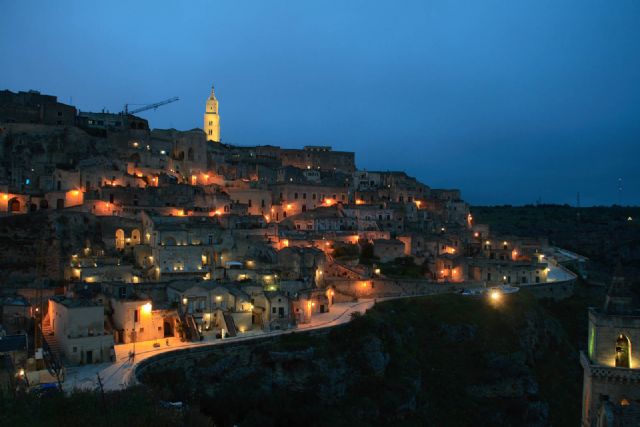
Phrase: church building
pixel 212 118
pixel 611 386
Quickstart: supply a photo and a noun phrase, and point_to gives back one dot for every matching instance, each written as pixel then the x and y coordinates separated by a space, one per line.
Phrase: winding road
pixel 120 374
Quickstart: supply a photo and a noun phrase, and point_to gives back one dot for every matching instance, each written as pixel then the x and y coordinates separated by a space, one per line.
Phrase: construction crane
pixel 150 106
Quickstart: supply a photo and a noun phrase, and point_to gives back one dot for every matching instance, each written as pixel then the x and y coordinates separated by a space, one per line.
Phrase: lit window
pixel 623 352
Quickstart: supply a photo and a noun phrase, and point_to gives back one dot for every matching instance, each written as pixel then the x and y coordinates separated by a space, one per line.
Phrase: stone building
pixel 375 187
pixel 319 157
pixel 258 200
pixel 311 302
pixel 611 385
pixel 212 118
pixel 300 262
pixel 388 250
pixel 378 216
pixel 135 320
pixel 33 107
pixel 322 219
pixel 213 306
pixel 496 272
pixel 15 314
pixel 78 328
pixel 178 246
pixel 291 198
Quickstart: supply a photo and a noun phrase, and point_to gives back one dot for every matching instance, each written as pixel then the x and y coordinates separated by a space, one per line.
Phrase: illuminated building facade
pixel 611 386
pixel 212 118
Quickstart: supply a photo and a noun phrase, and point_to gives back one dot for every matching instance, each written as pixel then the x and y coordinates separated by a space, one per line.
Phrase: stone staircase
pixel 193 326
pixel 231 325
pixel 54 356
pixel 50 338
pixel 190 327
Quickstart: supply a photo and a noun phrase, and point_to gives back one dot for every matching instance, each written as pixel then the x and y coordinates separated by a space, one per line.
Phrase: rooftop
pixel 75 302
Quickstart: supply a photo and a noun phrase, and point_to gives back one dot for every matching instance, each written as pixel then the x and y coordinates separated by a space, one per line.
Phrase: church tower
pixel 611 386
pixel 212 118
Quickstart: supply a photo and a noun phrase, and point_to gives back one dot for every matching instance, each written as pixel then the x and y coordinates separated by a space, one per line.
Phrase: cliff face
pixel 53 235
pixel 445 360
pixel 29 145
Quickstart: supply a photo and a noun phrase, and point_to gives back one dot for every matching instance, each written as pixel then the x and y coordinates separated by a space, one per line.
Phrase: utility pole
pixel 38 338
pixel 135 336
pixel 103 401
pixel 619 191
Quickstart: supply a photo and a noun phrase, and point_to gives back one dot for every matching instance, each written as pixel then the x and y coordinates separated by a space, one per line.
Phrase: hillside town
pixel 115 234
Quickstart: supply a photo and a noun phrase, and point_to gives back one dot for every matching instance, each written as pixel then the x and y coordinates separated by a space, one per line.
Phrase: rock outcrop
pixel 413 361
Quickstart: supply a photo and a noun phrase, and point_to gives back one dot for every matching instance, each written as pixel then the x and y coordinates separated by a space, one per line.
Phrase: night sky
pixel 510 101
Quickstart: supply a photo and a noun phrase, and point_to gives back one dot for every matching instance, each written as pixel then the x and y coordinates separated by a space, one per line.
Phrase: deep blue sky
pixel 510 101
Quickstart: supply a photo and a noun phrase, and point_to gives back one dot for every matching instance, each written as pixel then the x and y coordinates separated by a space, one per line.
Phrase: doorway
pixel 168 329
pixel 14 205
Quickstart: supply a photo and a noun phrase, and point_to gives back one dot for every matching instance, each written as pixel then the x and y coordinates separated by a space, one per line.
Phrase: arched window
pixel 119 238
pixel 623 352
pixel 190 154
pixel 169 241
pixel 14 205
pixel 135 236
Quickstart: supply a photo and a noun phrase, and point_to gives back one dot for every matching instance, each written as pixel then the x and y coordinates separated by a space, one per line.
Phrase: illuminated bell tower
pixel 212 118
pixel 611 386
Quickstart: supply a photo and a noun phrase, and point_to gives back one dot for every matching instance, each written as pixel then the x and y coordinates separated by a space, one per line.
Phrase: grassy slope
pixel 561 376
pixel 425 367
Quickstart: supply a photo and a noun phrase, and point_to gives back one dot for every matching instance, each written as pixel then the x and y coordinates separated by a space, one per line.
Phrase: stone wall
pixel 351 289
pixel 385 288
pixel 554 290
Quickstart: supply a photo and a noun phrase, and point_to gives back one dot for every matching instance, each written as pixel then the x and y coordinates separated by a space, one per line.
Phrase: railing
pixel 194 327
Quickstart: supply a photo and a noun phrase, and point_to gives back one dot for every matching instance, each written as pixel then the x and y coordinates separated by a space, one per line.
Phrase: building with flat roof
pixel 33 107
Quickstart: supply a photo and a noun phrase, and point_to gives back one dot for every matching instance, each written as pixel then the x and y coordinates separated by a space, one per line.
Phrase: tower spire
pixel 212 118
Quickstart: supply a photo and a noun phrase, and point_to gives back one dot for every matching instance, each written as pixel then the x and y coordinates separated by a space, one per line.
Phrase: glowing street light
pixel 495 295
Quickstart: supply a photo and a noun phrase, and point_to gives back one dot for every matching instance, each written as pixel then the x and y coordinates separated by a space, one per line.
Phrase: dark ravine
pixel 442 360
